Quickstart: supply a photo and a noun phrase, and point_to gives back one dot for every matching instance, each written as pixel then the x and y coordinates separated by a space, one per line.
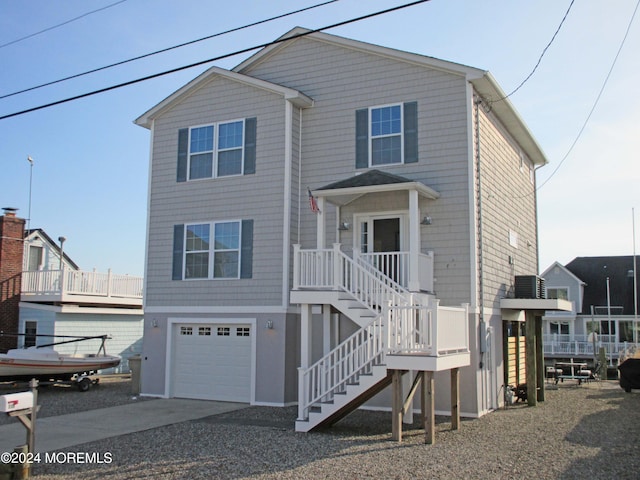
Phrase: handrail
pixel 344 364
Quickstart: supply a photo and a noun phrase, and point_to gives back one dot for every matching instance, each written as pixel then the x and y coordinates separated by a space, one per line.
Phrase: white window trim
pixel 211 250
pixel 216 150
pixel 371 137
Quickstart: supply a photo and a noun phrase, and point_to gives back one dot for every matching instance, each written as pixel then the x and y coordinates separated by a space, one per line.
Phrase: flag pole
pixel 635 281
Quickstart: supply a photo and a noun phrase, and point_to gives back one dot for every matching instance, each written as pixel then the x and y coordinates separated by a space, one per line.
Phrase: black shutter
pixel 250 145
pixel 183 152
pixel 246 250
pixel 410 132
pixel 178 250
pixel 362 138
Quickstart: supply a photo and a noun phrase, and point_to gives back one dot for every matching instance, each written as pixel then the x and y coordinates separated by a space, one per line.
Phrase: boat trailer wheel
pixel 84 384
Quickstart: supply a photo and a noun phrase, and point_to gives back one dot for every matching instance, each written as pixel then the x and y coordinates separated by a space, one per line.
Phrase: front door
pixel 380 242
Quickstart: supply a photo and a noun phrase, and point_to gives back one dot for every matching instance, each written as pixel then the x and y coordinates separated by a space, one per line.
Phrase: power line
pixel 277 17
pixel 60 24
pixel 543 51
pixel 202 62
pixel 539 59
pixel 597 100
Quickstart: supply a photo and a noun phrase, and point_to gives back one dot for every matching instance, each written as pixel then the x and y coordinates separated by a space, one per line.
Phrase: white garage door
pixel 212 362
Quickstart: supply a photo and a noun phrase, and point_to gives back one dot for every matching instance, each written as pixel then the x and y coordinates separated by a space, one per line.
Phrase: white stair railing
pixel 371 287
pixel 343 365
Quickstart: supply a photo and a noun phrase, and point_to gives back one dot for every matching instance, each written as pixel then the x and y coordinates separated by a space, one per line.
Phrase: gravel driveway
pixel 580 432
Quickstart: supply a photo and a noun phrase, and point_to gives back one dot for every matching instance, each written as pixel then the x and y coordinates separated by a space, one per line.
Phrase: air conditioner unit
pixel 529 286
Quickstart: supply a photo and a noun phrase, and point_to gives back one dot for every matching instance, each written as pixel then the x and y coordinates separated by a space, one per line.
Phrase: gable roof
pixel 595 271
pixel 55 247
pixel 297 98
pixel 482 80
pixel 564 269
pixel 348 190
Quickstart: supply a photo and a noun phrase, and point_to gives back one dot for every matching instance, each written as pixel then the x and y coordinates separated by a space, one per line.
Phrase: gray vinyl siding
pixel 508 204
pixel 343 80
pixel 257 196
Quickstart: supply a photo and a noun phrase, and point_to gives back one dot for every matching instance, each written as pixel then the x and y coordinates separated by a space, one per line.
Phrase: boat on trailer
pixel 48 365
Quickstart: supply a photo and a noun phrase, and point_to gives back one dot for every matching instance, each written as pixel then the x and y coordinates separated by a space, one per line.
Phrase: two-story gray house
pixel 328 215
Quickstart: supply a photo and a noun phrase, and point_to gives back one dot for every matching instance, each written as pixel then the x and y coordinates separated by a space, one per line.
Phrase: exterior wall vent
pixel 529 286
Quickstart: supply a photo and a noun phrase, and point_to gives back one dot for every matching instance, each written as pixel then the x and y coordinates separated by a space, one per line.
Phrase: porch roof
pixel 346 191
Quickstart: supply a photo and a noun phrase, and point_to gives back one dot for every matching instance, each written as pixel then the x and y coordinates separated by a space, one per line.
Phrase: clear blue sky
pixel 91 162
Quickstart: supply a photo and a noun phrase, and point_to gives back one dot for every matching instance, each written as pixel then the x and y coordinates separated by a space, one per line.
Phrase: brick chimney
pixel 11 253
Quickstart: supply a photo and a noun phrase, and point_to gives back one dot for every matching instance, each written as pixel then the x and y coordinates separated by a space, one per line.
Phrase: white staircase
pixel 399 329
pixel 354 371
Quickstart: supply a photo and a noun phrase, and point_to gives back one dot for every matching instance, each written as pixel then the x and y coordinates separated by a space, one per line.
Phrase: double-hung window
pixel 217 150
pixel 387 135
pixel 213 250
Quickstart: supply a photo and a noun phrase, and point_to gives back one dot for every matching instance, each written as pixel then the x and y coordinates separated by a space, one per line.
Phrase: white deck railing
pixel 322 268
pixel 580 346
pixel 65 282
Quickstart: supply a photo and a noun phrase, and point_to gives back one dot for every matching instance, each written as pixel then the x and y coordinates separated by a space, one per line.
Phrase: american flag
pixel 312 203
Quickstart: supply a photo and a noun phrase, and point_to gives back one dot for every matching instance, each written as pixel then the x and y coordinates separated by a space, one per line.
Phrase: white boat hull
pixel 47 363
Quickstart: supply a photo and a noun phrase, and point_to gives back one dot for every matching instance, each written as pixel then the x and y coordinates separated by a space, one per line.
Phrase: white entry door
pixel 212 362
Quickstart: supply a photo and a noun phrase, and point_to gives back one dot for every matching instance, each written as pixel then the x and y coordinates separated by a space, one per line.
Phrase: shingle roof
pixel 367 179
pixel 594 271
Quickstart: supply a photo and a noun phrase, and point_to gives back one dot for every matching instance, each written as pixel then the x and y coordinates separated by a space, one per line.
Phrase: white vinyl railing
pixel 321 269
pixel 344 364
pixel 580 346
pixel 78 282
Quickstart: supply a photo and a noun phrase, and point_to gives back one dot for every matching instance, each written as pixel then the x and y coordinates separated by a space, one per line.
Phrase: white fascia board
pixel 409 57
pixel 357 192
pixel 297 98
pixel 489 89
pixel 564 269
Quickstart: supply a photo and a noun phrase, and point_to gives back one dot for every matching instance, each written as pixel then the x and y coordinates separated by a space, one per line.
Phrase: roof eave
pixel 294 96
pixel 489 89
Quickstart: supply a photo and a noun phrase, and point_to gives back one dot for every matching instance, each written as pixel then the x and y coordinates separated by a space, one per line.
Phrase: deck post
pixel 396 405
pixel 539 360
pixel 530 353
pixel 428 407
pixel 455 399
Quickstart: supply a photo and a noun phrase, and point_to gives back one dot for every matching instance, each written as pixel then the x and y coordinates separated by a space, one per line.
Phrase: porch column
pixel 320 224
pixel 414 242
pixel 305 335
pixel 326 329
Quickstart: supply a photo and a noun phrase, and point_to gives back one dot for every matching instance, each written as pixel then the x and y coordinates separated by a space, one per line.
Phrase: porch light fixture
pixel 426 220
pixel 344 226
pixel 270 324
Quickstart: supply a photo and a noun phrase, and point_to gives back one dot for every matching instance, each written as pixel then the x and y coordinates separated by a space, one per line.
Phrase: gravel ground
pixel 580 432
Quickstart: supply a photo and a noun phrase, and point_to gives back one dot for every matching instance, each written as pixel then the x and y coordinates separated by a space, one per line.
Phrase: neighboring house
pixel 311 214
pixel 601 290
pixel 68 301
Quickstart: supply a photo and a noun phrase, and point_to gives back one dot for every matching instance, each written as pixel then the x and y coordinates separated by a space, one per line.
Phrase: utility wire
pixel 61 24
pixel 203 62
pixel 595 103
pixel 539 59
pixel 277 17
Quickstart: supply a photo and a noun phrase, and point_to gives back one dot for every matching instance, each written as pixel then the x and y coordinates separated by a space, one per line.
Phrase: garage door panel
pixel 212 366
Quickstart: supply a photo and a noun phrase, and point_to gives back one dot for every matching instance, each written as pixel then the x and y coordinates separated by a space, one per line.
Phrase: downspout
pixel 477 103
pixel 299 171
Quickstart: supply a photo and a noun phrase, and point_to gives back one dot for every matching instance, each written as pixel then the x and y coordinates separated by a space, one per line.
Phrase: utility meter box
pixel 16 401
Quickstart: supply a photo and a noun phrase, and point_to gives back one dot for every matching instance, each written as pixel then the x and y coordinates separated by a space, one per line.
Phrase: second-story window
pixel 386 135
pixel 217 150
